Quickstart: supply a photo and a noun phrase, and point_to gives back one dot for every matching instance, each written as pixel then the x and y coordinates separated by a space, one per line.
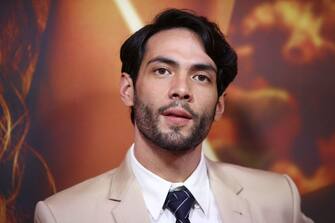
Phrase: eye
pixel 201 78
pixel 161 71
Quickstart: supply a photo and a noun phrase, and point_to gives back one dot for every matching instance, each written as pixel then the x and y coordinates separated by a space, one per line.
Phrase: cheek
pixel 206 100
pixel 151 91
pixel 150 98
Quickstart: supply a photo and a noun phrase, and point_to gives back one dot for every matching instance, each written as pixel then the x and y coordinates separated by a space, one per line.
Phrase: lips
pixel 177 116
pixel 178 113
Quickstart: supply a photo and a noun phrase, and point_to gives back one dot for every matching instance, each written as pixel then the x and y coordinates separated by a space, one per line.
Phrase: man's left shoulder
pixel 256 184
pixel 270 196
pixel 248 176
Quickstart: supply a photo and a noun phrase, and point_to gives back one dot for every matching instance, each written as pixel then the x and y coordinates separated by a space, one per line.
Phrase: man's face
pixel 175 98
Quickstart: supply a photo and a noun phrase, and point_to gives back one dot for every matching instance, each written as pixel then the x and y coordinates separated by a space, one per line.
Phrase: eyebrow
pixel 163 60
pixel 205 67
pixel 196 67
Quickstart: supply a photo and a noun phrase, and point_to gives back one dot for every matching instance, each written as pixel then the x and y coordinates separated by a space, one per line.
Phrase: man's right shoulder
pixel 81 198
pixel 96 187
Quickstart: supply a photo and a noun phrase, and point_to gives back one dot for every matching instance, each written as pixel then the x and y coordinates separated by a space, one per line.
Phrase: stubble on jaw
pixel 147 122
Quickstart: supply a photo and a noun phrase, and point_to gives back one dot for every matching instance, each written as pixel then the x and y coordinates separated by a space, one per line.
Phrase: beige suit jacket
pixel 242 195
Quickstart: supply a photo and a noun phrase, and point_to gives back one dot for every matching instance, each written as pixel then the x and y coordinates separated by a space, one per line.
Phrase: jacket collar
pixel 125 193
pixel 129 206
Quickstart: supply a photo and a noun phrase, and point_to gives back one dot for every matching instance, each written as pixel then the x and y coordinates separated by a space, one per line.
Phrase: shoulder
pixel 254 179
pixel 269 195
pixel 77 202
pixel 248 176
pixel 260 188
pixel 95 187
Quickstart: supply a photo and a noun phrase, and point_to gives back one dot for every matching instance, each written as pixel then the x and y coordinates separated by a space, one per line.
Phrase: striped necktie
pixel 179 202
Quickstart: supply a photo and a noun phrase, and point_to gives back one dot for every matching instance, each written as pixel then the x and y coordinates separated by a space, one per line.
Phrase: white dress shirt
pixel 155 190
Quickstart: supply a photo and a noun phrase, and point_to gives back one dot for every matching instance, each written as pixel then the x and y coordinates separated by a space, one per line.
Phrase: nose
pixel 180 89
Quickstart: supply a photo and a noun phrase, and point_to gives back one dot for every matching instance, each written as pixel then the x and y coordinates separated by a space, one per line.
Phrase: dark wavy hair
pixel 215 44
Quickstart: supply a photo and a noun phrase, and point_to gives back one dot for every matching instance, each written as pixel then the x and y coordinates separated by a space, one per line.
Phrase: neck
pixel 171 166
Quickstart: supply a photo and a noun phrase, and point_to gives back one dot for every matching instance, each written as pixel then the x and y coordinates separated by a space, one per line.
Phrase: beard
pixel 147 122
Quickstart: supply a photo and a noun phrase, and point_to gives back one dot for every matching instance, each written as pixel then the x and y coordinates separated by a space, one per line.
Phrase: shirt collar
pixel 155 188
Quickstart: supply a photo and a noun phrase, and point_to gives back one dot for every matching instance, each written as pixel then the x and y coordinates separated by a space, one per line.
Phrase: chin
pixel 177 150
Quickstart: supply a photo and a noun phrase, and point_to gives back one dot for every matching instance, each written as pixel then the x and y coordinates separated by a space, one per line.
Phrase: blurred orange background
pixel 279 111
pixel 277 117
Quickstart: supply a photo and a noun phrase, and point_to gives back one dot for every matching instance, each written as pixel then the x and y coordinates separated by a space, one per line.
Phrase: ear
pixel 219 107
pixel 127 89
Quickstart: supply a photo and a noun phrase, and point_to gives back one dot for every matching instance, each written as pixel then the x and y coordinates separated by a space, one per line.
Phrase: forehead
pixel 180 44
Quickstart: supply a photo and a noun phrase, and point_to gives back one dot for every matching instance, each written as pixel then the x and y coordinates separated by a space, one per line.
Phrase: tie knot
pixel 179 202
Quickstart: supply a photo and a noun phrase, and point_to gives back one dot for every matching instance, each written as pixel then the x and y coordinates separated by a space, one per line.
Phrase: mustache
pixel 182 104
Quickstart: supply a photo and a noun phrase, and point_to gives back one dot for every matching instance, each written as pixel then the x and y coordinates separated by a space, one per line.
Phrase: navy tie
pixel 179 202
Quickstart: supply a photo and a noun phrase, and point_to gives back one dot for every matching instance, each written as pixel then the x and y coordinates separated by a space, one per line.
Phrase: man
pixel 174 73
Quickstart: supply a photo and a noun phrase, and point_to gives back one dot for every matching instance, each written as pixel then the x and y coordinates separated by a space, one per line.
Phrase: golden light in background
pixel 129 14
pixel 306 41
pixel 22 27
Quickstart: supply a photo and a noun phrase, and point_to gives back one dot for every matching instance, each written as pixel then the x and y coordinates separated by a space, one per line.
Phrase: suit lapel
pixel 126 195
pixel 226 190
pixel 128 204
